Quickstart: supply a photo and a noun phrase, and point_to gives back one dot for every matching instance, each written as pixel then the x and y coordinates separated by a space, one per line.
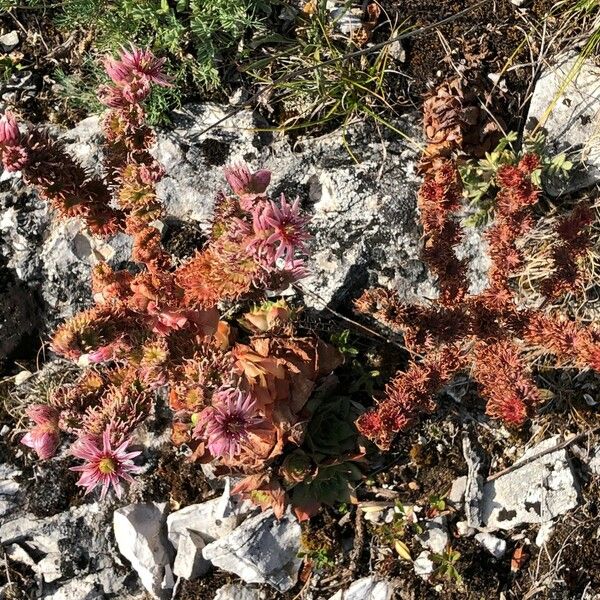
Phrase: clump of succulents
pixel 242 391
pixel 487 334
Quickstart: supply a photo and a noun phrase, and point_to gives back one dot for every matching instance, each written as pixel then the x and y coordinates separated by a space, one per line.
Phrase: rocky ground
pixel 520 512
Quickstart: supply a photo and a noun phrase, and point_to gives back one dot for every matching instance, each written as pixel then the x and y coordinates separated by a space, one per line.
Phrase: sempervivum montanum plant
pixel 239 396
pixel 485 334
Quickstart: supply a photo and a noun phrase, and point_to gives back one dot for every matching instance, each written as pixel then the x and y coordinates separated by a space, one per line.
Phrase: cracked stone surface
pixel 537 492
pixel 71 553
pixel 261 550
pixel 365 228
pixel 474 483
pixel 212 519
pixel 141 537
pixel 571 117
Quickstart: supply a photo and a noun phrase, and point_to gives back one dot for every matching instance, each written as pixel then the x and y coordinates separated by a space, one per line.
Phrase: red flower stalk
pixel 505 383
pixel 573 242
pixel 133 73
pixel 483 334
pixel 409 395
pixel 439 198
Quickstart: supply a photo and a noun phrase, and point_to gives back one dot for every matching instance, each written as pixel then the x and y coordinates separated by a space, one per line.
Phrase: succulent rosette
pixel 331 430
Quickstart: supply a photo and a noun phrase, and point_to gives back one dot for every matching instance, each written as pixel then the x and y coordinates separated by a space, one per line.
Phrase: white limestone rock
pixel 237 591
pixel 537 492
pixel 457 492
pixel 9 41
pixel 367 588
pixel 424 566
pixel 211 519
pixel 494 545
pixel 139 534
pixel 19 554
pixel 49 568
pixel 435 537
pixel 93 587
pixel 189 562
pixel 566 102
pixel 262 549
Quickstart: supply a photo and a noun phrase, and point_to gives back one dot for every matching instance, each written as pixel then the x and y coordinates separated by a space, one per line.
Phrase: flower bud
pixel 9 130
pixel 44 437
pixel 296 467
pixel 245 184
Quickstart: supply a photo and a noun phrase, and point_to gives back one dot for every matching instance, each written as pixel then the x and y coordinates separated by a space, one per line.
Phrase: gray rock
pixel 594 462
pixel 91 588
pixel 570 113
pixel 535 493
pixel 494 545
pixel 347 20
pixel 8 486
pixel 46 256
pixel 544 534
pixel 365 229
pixel 61 541
pixel 212 519
pixel 262 549
pixel 237 591
pixel 464 529
pixel 189 562
pixel 424 566
pixel 435 537
pixel 9 41
pixel 474 484
pixel 19 554
pixel 367 588
pixel 49 568
pixel 140 536
pixel 457 491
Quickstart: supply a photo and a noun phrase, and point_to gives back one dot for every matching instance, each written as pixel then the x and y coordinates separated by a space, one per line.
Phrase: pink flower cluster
pixel 228 423
pixel 133 74
pixel 278 231
pixel 14 155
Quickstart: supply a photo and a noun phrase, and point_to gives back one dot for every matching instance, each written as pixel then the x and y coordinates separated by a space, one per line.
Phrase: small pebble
pixel 9 41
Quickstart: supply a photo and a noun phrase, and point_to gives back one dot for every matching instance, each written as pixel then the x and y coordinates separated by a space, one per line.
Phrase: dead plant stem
pixel 574 438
